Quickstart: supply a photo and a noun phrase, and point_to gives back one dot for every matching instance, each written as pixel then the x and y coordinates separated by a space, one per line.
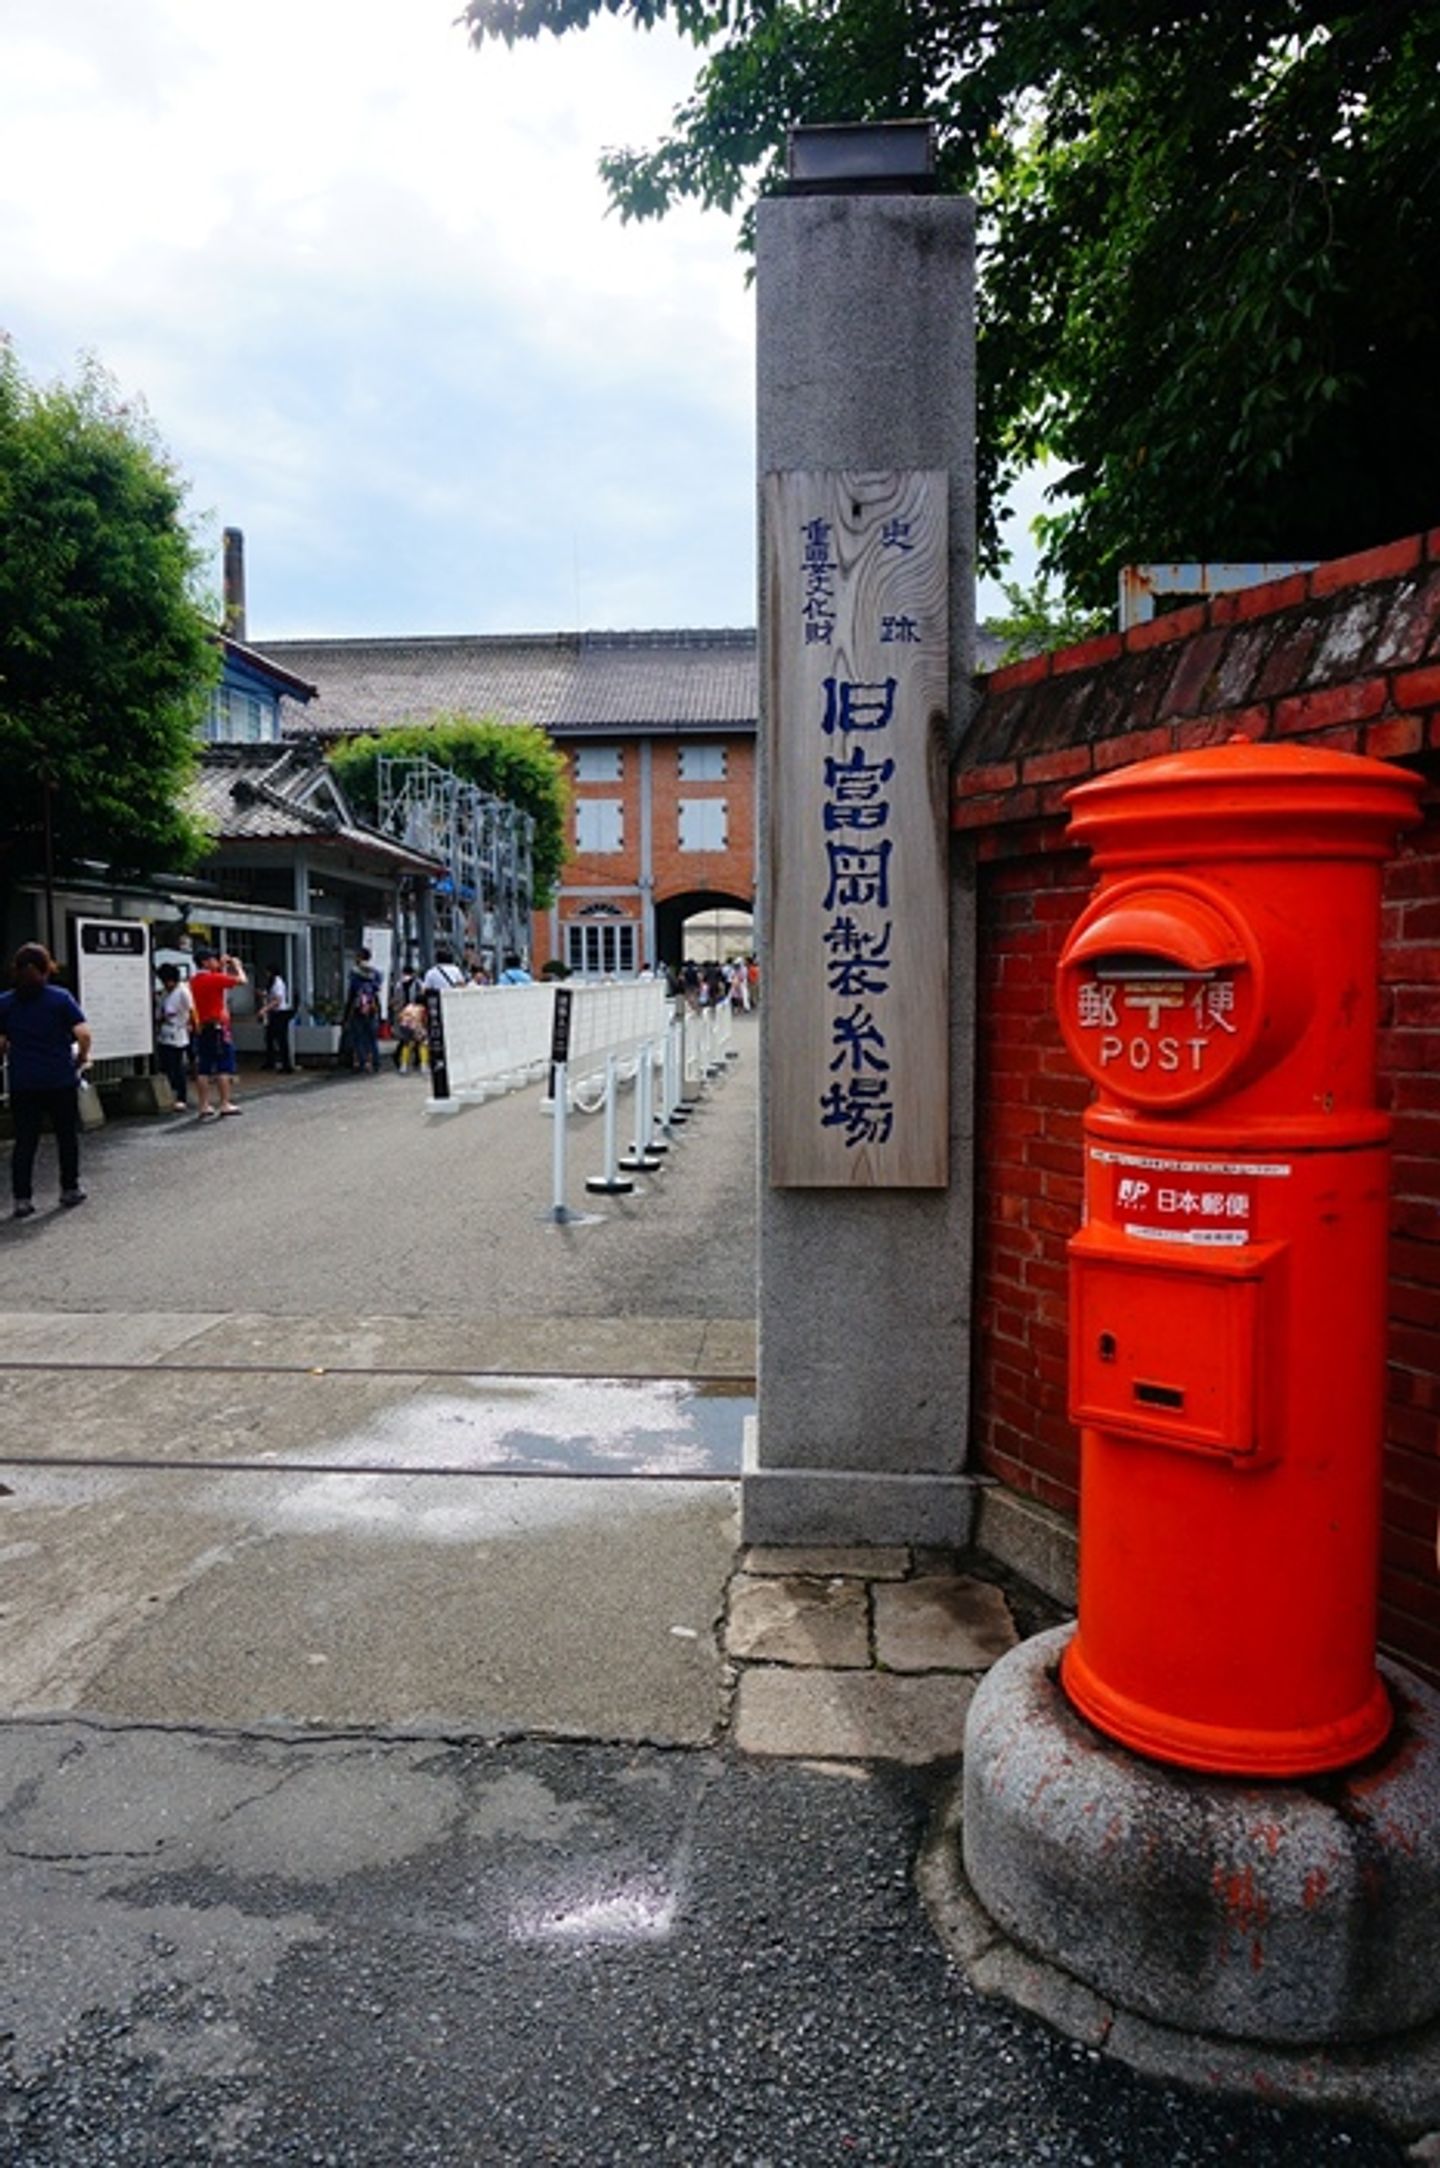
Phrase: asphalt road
pixel 337 1195
pixel 347 1952
pixel 231 1944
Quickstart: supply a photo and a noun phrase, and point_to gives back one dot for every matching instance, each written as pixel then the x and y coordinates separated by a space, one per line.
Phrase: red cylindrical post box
pixel 1227 1287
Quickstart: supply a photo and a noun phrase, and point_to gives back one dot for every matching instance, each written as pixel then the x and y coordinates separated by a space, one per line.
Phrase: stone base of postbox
pixel 1276 1939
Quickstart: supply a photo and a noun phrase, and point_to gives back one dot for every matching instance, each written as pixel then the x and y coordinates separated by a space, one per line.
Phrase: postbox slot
pixel 1172 1349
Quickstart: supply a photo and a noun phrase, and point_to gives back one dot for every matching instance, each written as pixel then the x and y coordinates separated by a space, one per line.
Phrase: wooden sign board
pixel 856 901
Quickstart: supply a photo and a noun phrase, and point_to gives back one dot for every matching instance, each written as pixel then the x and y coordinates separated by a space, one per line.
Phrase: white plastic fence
pixel 492 1039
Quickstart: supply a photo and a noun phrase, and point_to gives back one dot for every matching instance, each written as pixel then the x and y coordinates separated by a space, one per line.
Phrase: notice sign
pixel 1209 1204
pixel 114 986
pixel 856 884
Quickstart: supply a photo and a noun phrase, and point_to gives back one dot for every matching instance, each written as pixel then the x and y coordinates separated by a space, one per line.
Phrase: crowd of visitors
pixel 46 1041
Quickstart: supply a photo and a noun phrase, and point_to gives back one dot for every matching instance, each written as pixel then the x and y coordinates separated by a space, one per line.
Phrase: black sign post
pixel 560 1032
pixel 435 1042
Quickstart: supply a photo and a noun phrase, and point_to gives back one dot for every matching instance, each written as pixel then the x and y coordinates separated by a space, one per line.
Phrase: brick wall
pixel 732 870
pixel 1346 656
pixel 675 872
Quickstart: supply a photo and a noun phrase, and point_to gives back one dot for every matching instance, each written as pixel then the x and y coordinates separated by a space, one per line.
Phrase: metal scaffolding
pixel 482 900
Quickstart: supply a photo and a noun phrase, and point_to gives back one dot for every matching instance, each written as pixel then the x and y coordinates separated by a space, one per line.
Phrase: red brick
pixel 1352 703
pixel 1087 654
pixel 1070 760
pixel 1420 921
pixel 1135 745
pixel 979 812
pixel 1413 1216
pixel 1345 739
pixel 1406 1052
pixel 1389 562
pixel 1001 776
pixel 1263 600
pixel 1418 688
pixel 1287 662
pixel 1029 672
pixel 1173 625
pixel 1409 1305
pixel 1196 664
pixel 1416 872
pixel 1198 730
pixel 1416 1008
pixel 1412 964
pixel 1415 1093
pixel 1397 734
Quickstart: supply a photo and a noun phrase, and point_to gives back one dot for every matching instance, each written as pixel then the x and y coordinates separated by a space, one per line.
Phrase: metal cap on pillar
pixel 850 158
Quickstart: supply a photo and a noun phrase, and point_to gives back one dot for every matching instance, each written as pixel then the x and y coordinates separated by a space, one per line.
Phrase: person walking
pixel 444 971
pixel 276 1012
pixel 514 973
pixel 210 983
pixel 362 1014
pixel 46 1040
pixel 174 1024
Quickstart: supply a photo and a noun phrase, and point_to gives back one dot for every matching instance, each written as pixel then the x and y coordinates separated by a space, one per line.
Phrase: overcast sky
pixel 364 278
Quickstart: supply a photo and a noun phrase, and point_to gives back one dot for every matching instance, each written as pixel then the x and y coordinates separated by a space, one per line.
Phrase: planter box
pixel 316 1042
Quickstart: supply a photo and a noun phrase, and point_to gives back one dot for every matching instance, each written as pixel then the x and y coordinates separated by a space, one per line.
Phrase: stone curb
pixel 1395 2082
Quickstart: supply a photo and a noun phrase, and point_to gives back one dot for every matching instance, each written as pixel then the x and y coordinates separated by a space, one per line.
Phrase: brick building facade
pixel 658 733
pixel 1346 656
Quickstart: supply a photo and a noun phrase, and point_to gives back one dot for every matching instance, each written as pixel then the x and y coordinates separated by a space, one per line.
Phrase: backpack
pixel 364 1003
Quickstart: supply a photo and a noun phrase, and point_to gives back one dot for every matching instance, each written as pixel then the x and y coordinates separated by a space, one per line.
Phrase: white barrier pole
pixel 679 1113
pixel 611 1183
pixel 560 1092
pixel 655 1064
pixel 641 1158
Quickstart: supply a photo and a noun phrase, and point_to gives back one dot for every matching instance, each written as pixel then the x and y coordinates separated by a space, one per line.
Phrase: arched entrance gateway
pixel 704 926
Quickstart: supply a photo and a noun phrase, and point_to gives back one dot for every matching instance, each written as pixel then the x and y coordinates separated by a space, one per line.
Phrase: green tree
pixel 106 653
pixel 1210 240
pixel 514 761
pixel 1035 620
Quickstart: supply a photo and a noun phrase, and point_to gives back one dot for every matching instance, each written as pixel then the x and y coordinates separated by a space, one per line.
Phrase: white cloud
pixel 366 281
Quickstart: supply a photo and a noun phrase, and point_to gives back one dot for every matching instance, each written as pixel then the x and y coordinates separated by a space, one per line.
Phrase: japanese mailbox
pixel 1227 1287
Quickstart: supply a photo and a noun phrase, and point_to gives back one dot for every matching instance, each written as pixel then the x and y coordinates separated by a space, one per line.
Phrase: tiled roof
pixel 283 681
pixel 284 794
pixel 566 682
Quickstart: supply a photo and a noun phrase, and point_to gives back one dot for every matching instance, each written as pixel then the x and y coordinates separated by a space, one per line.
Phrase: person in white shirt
pixel 174 1022
pixel 444 971
pixel 276 1013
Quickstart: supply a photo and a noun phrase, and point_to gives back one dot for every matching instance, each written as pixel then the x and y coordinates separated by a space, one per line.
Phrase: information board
pixel 856 876
pixel 115 987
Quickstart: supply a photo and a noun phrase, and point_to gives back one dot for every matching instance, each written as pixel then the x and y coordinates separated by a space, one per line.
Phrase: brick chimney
pixel 234 583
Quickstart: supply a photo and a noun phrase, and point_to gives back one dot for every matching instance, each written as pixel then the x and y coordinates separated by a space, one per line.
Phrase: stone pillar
pixel 866 363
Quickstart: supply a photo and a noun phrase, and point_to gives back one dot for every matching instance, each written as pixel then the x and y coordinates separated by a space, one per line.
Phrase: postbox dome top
pixel 1247 800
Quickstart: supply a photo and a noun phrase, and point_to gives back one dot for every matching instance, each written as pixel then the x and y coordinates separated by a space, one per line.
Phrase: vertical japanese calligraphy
pixel 856 673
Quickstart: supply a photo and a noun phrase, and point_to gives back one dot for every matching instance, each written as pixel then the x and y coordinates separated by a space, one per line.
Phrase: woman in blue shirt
pixel 46 1040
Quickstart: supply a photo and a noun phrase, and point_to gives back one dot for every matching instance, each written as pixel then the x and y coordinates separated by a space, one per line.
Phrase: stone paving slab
pixel 941 1622
pixel 75 1338
pixel 878 1564
pixel 630 1347
pixel 788 1620
pixel 651 1347
pixel 851 1715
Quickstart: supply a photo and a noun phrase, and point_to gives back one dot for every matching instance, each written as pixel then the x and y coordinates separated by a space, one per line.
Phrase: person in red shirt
pixel 210 982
